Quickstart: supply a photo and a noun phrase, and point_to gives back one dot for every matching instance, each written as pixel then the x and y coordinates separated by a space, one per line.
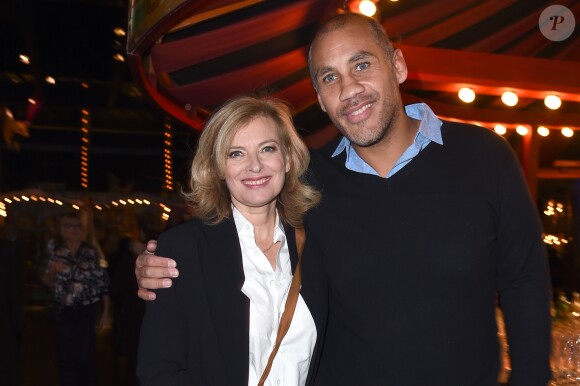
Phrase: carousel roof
pixel 201 53
pixel 187 57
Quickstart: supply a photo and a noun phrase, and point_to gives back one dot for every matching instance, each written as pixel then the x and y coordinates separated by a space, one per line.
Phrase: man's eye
pixel 235 154
pixel 328 78
pixel 363 66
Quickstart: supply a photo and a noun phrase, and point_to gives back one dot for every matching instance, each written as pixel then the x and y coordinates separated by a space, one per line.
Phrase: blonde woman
pixel 217 324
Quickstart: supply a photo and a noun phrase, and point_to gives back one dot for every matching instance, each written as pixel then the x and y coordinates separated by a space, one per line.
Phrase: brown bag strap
pixel 291 301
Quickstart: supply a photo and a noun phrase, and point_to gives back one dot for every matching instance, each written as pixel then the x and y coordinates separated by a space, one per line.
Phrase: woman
pixel 218 322
pixel 78 283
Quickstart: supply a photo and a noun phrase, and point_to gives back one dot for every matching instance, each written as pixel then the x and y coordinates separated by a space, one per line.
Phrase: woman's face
pixel 256 165
pixel 71 229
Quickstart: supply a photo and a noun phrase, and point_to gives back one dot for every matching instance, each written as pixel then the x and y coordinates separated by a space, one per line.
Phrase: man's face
pixel 358 86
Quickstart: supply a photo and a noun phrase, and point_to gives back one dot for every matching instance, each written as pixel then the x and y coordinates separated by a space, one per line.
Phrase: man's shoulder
pixel 456 131
pixel 476 143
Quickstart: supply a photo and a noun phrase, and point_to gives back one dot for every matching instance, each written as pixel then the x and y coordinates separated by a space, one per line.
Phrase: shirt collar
pixel 429 128
pixel 245 227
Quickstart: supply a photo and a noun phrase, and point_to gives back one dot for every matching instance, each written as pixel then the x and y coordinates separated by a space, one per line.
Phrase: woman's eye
pixel 235 154
pixel 268 149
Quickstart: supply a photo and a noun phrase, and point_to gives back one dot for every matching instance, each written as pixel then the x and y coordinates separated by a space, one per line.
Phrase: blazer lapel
pixel 291 240
pixel 229 307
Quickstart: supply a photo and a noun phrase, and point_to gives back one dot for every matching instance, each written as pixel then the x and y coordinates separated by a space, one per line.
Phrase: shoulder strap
pixel 291 301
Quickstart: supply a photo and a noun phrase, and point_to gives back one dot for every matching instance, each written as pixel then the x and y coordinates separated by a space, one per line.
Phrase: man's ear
pixel 320 103
pixel 399 66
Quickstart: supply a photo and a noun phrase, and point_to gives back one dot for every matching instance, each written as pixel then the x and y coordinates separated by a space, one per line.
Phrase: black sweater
pixel 412 267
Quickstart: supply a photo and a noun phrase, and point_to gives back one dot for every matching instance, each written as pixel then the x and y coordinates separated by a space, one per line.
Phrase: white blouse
pixel 267 290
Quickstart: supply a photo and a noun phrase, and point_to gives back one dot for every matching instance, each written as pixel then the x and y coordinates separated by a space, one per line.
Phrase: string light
pixel 509 98
pixel 555 212
pixel 168 156
pixel 567 132
pixel 85 140
pixel 500 129
pixel 552 102
pixel 466 94
pixel 24 199
pixel 522 130
pixel 24 58
pixel 543 131
pixel 118 31
pixel 367 8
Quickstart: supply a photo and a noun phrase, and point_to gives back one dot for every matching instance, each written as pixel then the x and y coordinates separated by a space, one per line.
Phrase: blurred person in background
pixel 11 287
pixel 127 308
pixel 79 284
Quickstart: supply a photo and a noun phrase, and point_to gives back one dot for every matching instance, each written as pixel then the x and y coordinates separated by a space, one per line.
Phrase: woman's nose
pixel 254 164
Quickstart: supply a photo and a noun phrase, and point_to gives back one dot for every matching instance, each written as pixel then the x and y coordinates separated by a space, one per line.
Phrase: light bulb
pixel 509 98
pixel 500 129
pixel 543 131
pixel 552 102
pixel 522 130
pixel 466 94
pixel 567 132
pixel 367 8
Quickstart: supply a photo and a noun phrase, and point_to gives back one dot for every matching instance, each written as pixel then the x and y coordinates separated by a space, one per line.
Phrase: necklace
pixel 267 249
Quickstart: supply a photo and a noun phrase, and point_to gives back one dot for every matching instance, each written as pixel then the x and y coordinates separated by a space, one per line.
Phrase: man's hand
pixel 153 272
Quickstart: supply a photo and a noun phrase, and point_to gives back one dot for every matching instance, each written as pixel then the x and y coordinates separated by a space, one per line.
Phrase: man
pixel 423 226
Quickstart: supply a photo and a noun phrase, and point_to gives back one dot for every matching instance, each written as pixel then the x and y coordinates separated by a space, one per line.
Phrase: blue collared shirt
pixel 429 131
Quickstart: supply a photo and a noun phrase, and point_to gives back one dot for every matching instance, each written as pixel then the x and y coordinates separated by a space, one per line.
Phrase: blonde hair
pixel 208 195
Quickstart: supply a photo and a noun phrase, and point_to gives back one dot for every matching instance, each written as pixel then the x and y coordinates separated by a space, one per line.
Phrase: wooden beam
pixel 555 173
pixel 491 73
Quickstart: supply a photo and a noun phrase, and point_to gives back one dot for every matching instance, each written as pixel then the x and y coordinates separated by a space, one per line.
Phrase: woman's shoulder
pixel 194 230
pixel 188 228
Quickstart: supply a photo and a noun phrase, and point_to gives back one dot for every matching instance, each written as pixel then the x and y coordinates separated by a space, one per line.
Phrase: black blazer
pixel 197 331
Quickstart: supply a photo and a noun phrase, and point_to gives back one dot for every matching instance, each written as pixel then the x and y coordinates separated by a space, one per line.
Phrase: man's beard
pixel 375 134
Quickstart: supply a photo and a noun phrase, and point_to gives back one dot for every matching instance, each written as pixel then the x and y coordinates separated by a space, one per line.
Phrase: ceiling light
pixel 543 131
pixel 118 57
pixel 24 59
pixel 500 129
pixel 466 94
pixel 567 132
pixel 119 31
pixel 367 8
pixel 509 98
pixel 522 130
pixel 552 102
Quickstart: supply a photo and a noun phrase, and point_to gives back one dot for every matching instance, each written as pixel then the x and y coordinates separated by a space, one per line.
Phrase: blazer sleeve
pixel 163 343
